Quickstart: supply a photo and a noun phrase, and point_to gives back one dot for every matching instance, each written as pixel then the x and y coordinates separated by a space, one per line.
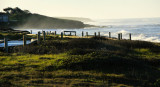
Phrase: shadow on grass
pixel 5 83
pixel 137 71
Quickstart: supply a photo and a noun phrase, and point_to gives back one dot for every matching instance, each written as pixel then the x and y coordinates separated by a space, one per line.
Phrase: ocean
pixel 146 29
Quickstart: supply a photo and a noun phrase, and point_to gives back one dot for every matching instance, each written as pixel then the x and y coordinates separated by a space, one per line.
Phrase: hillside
pixel 25 19
pixel 40 21
pixel 81 62
pixel 77 19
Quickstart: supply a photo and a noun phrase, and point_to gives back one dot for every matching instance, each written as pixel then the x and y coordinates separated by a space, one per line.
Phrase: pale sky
pixel 95 9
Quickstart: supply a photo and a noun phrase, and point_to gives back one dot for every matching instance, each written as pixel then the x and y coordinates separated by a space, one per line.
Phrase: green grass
pixel 82 63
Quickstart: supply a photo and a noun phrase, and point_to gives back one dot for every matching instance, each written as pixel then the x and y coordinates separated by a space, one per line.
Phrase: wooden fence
pixel 61 35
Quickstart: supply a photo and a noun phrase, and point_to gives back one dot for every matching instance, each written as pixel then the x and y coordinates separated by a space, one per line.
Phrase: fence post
pixel 82 34
pixel 130 37
pixel 95 34
pixel 44 35
pixel 6 44
pixel 87 34
pixel 38 38
pixel 118 36
pixel 62 35
pixel 99 35
pixel 54 33
pixel 31 32
pixel 24 40
pixel 121 36
pixel 50 33
pixel 109 34
pixel 47 33
pixel 75 33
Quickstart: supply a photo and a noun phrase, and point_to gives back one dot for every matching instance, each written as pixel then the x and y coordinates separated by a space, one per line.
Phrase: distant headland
pixel 18 18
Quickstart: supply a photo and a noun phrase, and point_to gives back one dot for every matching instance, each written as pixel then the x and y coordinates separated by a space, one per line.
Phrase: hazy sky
pixel 96 9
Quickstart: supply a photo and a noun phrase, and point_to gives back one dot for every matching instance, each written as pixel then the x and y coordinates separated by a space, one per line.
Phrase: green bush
pixel 79 51
pixel 84 46
pixel 5 83
pixel 157 83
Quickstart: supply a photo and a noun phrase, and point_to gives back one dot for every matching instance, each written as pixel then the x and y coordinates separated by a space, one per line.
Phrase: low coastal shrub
pixel 5 83
pixel 82 46
pixel 79 51
pixel 36 49
pixel 157 83
pixel 58 46
pixel 133 44
pixel 85 44
pixel 99 38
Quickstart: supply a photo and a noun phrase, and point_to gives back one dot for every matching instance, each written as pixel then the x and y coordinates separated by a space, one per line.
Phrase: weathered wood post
pixel 44 35
pixel 95 34
pixel 99 35
pixel 130 36
pixel 82 34
pixel 54 33
pixel 38 38
pixel 119 36
pixel 70 33
pixel 47 32
pixel 24 40
pixel 62 35
pixel 6 44
pixel 87 34
pixel 109 34
pixel 75 33
pixel 31 32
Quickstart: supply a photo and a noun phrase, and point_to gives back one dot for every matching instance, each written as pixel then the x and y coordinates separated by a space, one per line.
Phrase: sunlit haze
pixel 95 9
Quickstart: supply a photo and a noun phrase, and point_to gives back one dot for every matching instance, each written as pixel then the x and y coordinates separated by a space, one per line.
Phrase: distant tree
pixel 8 10
pixel 18 10
pixel 26 11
